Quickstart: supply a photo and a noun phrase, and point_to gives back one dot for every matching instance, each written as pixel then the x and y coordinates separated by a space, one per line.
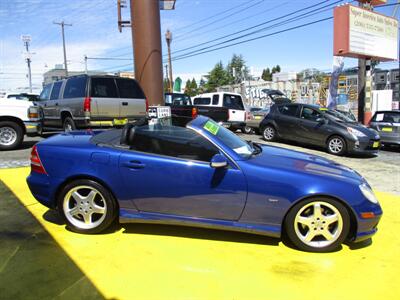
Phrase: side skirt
pixel 131 216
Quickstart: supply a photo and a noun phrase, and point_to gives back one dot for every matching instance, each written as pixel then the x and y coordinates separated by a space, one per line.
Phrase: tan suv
pixel 91 101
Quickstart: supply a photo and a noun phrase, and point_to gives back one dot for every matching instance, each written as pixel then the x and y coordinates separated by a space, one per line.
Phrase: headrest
pixel 128 132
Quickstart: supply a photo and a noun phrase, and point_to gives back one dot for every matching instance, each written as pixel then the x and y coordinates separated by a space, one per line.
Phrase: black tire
pixel 269 133
pixel 336 145
pixel 247 130
pixel 68 124
pixel 296 231
pixel 11 135
pixel 87 208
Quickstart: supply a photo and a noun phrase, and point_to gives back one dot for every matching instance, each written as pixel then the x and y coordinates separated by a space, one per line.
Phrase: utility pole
pixel 146 36
pixel 166 76
pixel 86 69
pixel 168 37
pixel 27 39
pixel 62 24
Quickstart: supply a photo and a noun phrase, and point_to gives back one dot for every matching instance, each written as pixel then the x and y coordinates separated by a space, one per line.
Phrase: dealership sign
pixel 361 33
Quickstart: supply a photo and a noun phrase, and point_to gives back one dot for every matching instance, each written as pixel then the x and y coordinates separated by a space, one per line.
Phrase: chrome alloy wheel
pixel 336 145
pixel 269 133
pixel 85 207
pixel 8 136
pixel 318 224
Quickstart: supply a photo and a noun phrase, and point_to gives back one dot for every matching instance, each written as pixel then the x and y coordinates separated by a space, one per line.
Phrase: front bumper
pixel 364 145
pixel 32 128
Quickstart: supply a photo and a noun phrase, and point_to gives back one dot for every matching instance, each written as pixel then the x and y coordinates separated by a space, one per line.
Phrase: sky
pixel 94 33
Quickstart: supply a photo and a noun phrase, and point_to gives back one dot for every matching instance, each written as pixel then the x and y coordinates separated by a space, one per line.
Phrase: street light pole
pixel 63 24
pixel 146 35
pixel 168 37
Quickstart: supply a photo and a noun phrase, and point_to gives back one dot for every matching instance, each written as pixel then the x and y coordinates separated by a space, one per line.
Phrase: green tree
pixel 266 75
pixel 237 69
pixel 201 89
pixel 166 85
pixel 193 87
pixel 188 86
pixel 217 77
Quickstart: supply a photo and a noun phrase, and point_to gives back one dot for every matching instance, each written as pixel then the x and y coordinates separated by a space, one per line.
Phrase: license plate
pixel 375 145
pixel 120 121
pixel 387 129
pixel 257 117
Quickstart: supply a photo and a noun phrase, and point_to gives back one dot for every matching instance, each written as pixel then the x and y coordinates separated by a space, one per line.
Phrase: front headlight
pixel 368 193
pixel 356 133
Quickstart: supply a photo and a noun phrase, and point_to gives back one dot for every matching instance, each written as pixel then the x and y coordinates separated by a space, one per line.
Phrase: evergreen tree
pixel 188 86
pixel 193 88
pixel 237 69
pixel 266 75
pixel 217 77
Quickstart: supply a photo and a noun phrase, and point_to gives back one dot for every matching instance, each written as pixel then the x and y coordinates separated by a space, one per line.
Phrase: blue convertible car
pixel 202 175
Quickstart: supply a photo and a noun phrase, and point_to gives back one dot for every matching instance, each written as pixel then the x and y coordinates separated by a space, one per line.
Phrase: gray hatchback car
pixel 91 101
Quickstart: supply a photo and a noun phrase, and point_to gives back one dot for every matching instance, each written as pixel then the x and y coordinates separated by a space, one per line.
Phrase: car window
pixel 181 100
pixel 75 87
pixel 103 88
pixel 129 88
pixel 288 110
pixel 55 92
pixel 202 101
pixel 173 141
pixel 387 117
pixel 215 100
pixel 233 102
pixel 45 94
pixel 310 114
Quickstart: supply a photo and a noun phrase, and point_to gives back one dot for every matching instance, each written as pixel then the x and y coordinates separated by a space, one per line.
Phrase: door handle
pixel 125 103
pixel 133 164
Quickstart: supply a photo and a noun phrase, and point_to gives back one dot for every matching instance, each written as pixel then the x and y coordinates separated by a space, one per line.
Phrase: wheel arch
pixel 65 114
pixel 87 177
pixel 352 214
pixel 14 120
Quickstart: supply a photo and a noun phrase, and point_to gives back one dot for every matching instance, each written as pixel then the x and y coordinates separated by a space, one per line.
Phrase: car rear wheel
pixel 69 124
pixel 247 130
pixel 11 135
pixel 269 133
pixel 318 225
pixel 86 206
pixel 336 145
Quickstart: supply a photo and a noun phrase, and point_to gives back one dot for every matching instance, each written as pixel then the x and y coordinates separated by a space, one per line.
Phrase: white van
pixel 231 101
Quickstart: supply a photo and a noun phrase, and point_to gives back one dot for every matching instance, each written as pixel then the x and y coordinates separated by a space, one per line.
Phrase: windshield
pixel 178 99
pixel 387 117
pixel 231 140
pixel 337 116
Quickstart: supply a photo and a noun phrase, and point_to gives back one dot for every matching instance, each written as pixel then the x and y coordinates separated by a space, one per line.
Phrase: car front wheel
pixel 69 124
pixel 247 130
pixel 269 133
pixel 11 135
pixel 336 145
pixel 86 206
pixel 317 225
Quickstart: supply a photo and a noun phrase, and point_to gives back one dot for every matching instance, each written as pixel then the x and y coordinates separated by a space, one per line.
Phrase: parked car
pixel 202 175
pixel 230 102
pixel 256 118
pixel 17 119
pixel 387 123
pixel 21 96
pixel 91 101
pixel 183 111
pixel 310 124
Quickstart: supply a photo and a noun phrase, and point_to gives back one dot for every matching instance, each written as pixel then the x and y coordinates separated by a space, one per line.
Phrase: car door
pixel 53 107
pixel 311 129
pixel 168 171
pixel 286 118
pixel 132 102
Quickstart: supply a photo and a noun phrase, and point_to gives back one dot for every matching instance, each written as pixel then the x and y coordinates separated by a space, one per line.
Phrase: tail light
pixel 36 164
pixel 87 104
pixel 194 112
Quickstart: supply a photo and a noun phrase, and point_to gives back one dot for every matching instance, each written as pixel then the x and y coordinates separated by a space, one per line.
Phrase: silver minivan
pixel 91 101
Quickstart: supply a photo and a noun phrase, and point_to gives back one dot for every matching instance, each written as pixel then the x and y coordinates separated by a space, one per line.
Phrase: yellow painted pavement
pixel 144 262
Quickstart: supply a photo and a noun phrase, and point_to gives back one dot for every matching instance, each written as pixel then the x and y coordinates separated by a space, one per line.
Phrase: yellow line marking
pixel 133 263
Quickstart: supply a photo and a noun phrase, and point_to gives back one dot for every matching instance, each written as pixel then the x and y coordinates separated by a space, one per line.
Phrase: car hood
pixel 369 132
pixel 295 161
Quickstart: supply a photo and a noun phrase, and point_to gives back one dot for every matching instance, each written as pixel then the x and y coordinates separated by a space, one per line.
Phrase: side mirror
pixel 219 161
pixel 322 120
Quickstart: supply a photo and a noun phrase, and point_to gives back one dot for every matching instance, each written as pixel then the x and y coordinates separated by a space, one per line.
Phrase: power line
pixel 109 58
pixel 318 10
pixel 253 39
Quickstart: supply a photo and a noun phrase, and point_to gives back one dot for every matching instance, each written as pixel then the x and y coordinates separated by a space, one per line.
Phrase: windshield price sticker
pixel 211 127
